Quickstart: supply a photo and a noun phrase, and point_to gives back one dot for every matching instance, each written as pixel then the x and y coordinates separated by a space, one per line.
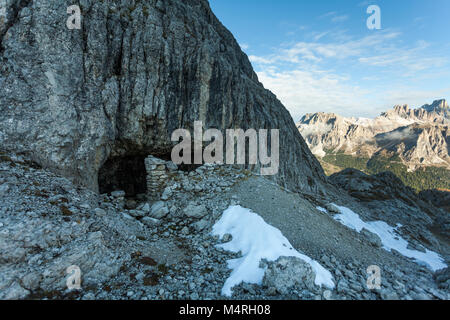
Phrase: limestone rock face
pixel 419 137
pixel 437 112
pixel 135 72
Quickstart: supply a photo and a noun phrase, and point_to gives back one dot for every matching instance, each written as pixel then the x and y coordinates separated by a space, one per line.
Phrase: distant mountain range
pixel 413 143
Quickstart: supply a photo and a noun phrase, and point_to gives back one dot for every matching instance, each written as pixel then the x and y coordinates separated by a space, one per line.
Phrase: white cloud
pixel 409 60
pixel 350 76
pixel 244 46
pixel 261 60
pixel 312 91
pixel 364 4
pixel 316 51
pixel 340 18
pixel 413 96
pixel 335 17
pixel 328 14
pixel 320 35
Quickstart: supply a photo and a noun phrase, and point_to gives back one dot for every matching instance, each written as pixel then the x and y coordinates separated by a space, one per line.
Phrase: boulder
pixel 388 295
pixel 442 278
pixel 4 188
pixel 118 194
pixel 100 212
pixel 287 272
pixel 150 222
pixel 332 208
pixel 373 238
pixel 159 210
pixel 195 211
pixel 200 225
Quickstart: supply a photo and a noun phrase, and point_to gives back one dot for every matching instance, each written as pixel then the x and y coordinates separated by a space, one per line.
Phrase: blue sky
pixel 320 55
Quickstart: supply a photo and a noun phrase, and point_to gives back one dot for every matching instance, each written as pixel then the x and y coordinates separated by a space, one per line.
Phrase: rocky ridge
pixel 419 137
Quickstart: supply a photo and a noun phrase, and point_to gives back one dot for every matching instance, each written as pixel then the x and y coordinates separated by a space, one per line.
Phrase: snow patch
pixel 257 240
pixel 390 238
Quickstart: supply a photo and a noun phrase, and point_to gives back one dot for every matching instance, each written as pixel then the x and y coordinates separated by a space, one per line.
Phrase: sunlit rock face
pixel 419 137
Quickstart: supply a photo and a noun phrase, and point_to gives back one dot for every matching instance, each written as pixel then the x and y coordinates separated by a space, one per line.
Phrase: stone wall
pixel 157 176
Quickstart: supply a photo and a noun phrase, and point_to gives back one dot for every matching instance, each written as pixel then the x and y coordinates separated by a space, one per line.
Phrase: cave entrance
pixel 123 173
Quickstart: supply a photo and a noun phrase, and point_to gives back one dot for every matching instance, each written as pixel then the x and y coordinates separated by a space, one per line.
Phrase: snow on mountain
pixel 257 240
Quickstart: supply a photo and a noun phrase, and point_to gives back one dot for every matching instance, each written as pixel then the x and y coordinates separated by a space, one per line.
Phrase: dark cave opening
pixel 123 173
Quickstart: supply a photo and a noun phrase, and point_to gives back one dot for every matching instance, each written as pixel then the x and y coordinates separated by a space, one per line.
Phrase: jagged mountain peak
pixel 437 112
pixel 320 117
pixel 438 106
pixel 420 137
pixel 402 108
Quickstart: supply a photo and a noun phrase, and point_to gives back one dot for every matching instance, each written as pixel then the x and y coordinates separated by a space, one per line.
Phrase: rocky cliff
pixel 437 112
pixel 419 137
pixel 76 100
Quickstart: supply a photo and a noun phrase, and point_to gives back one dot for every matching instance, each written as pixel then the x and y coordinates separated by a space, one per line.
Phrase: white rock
pixel 31 280
pixel 85 206
pixel 200 225
pixel 166 194
pixel 151 222
pixel 388 295
pixel 140 276
pixel 185 230
pixel 195 211
pixel 88 296
pixel 287 272
pixel 4 188
pixel 327 295
pixel 118 194
pixel 100 212
pixel 171 166
pixel 15 292
pixel 126 216
pixel 137 213
pixel 145 207
pixel 332 208
pixel 159 210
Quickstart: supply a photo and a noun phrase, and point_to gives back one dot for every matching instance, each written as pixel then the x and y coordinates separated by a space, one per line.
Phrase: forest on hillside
pixel 421 179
